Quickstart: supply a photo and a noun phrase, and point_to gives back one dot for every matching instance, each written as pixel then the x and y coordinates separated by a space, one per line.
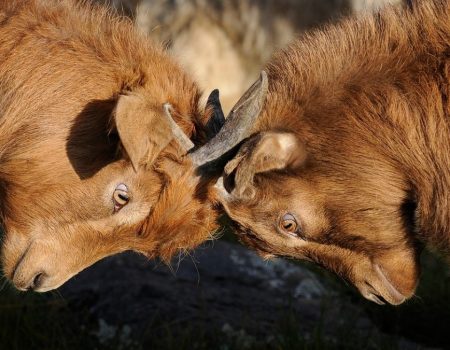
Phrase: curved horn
pixel 217 120
pixel 238 125
pixel 178 133
pixel 213 125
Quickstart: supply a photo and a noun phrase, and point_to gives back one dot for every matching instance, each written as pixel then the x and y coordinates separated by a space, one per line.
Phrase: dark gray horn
pixel 238 125
pixel 217 119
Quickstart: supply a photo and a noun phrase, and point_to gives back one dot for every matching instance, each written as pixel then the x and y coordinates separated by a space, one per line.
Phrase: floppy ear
pixel 143 129
pixel 262 153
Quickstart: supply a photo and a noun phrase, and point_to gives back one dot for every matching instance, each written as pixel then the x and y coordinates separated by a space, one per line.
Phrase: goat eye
pixel 288 224
pixel 120 197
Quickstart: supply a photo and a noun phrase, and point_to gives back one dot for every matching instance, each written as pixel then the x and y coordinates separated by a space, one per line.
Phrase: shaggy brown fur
pixel 68 75
pixel 367 102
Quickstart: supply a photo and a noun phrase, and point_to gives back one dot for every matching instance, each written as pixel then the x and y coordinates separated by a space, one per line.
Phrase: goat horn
pixel 178 134
pixel 213 126
pixel 217 120
pixel 238 124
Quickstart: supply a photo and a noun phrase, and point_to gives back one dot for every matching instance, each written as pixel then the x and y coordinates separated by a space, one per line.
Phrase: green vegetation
pixel 35 321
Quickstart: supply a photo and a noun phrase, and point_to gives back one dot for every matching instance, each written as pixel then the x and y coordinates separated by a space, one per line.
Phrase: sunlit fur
pixel 63 67
pixel 369 101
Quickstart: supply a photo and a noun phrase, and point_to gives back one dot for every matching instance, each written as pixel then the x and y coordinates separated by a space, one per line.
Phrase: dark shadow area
pixel 91 144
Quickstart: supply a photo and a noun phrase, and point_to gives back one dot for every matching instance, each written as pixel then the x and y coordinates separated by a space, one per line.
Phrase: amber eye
pixel 289 224
pixel 120 197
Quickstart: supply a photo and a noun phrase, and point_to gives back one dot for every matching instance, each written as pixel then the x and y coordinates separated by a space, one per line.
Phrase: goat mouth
pixel 378 299
pixel 384 292
pixel 396 297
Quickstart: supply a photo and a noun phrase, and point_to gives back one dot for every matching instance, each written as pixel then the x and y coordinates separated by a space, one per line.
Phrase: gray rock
pixel 221 288
pixel 219 285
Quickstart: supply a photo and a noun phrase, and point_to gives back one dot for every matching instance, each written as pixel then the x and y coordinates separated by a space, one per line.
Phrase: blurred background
pixel 225 43
pixel 222 296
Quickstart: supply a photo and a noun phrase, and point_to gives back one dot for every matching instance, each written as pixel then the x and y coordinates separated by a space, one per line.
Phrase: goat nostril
pixel 37 281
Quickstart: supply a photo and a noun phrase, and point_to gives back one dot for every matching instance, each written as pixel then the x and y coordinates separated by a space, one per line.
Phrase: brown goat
pixel 87 166
pixel 350 166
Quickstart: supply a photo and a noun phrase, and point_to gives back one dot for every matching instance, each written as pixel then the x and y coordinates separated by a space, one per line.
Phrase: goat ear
pixel 143 130
pixel 262 153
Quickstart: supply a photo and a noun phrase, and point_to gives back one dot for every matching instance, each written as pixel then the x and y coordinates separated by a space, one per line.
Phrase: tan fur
pixel 367 99
pixel 63 70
